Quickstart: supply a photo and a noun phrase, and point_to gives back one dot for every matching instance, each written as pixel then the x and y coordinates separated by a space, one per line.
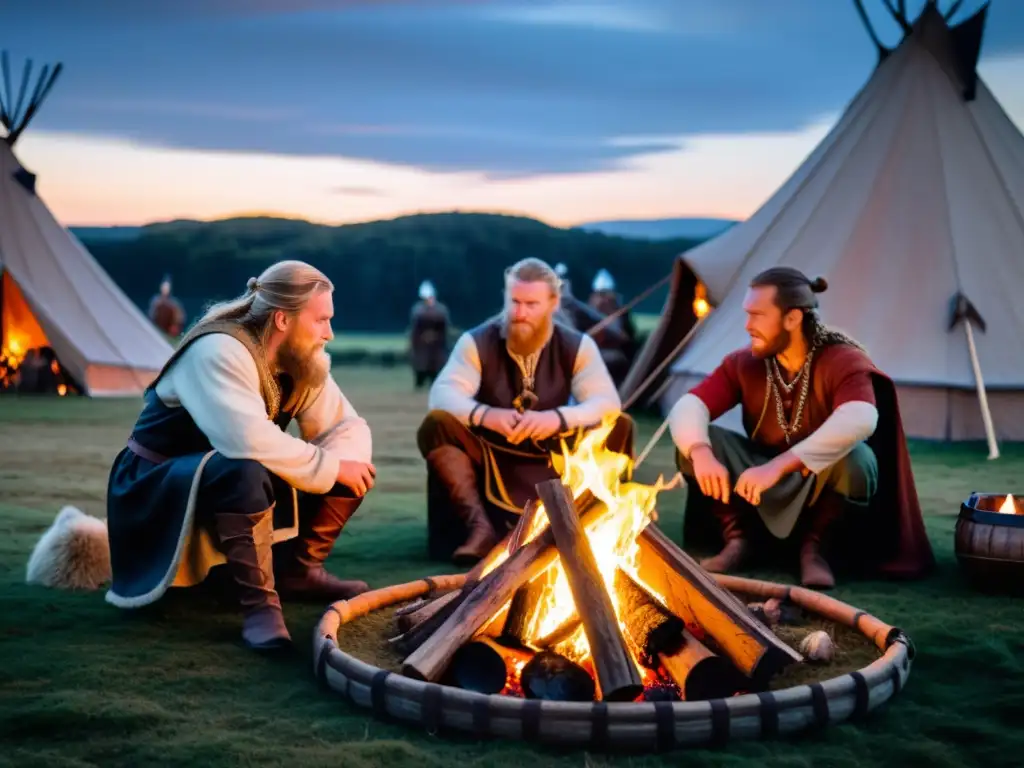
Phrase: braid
pixel 821 335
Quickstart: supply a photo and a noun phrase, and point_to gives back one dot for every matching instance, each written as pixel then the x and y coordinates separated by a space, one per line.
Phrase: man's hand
pixel 711 475
pixel 356 475
pixel 756 480
pixel 535 424
pixel 501 420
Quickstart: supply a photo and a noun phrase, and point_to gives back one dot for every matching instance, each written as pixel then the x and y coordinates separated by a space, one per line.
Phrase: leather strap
pixel 145 453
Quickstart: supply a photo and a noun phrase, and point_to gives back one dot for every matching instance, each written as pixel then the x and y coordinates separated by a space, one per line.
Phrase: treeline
pixel 377 266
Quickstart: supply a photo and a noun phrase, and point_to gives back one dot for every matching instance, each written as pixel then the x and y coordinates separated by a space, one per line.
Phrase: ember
pixel 587 587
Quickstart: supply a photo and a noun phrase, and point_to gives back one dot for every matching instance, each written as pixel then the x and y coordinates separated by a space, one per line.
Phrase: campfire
pixel 587 600
pixel 989 542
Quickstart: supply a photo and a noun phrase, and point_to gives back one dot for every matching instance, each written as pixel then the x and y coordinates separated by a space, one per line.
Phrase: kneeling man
pixel 209 467
pixel 511 389
pixel 825 442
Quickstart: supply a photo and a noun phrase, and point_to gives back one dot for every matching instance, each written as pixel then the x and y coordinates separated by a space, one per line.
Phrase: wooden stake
pixel 617 675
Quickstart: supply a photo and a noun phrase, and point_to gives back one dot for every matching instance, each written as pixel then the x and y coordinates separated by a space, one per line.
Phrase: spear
pixel 963 310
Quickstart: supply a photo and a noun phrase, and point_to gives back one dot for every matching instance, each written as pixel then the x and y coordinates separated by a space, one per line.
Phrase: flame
pixel 629 508
pixel 700 301
pixel 1008 507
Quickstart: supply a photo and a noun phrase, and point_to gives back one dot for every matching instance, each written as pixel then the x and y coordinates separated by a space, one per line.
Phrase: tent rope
pixel 662 365
pixel 612 317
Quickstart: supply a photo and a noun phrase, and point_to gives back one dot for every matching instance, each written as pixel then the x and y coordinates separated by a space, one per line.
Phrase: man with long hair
pixel 210 475
pixel 513 387
pixel 824 459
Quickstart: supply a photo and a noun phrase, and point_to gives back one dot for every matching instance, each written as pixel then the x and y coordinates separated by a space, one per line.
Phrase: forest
pixel 376 266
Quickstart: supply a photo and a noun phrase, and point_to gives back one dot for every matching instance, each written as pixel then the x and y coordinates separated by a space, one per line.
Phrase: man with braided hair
pixel 824 448
pixel 210 475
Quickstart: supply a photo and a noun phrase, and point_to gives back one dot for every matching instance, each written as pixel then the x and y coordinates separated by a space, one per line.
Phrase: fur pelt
pixel 73 553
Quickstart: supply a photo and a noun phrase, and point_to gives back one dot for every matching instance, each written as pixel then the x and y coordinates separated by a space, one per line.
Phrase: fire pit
pixel 653 725
pixel 989 542
pixel 587 625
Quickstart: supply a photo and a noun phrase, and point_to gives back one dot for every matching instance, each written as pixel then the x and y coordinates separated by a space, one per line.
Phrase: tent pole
pixel 986 415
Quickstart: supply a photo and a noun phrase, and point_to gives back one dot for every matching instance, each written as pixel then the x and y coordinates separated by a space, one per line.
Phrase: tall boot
pixel 299 563
pixel 736 548
pixel 456 472
pixel 815 572
pixel 246 541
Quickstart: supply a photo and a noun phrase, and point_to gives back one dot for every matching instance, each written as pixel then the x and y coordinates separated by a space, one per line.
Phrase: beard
pixel 308 365
pixel 526 338
pixel 763 348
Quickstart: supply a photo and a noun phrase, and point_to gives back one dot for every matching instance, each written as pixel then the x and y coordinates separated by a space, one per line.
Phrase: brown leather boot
pixel 456 472
pixel 815 572
pixel 246 541
pixel 736 548
pixel 299 563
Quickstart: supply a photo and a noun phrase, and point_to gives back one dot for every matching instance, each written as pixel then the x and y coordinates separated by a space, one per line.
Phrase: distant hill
pixel 376 266
pixel 661 229
pixel 106 233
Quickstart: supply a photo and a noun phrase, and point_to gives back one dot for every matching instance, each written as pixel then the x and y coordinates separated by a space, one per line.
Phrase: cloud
pixel 505 88
pixel 357 191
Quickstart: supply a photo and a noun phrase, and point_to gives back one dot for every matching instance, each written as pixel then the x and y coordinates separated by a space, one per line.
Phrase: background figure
pixel 617 340
pixel 428 335
pixel 166 312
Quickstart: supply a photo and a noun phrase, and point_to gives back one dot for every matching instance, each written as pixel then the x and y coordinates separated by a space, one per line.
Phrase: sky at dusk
pixel 568 110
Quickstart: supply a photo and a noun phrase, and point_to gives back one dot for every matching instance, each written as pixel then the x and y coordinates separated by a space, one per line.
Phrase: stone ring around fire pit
pixel 637 726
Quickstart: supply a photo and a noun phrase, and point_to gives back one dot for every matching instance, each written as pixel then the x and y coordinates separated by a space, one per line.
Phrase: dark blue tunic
pixel 156 530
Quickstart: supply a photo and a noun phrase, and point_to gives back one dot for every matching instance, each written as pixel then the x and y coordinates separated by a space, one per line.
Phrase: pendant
pixel 525 401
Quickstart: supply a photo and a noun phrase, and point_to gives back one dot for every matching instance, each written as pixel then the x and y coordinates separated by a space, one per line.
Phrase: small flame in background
pixel 700 301
pixel 1008 507
pixel 629 509
pixel 12 354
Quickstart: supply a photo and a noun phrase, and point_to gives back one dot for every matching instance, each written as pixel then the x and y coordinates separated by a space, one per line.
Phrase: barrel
pixel 989 544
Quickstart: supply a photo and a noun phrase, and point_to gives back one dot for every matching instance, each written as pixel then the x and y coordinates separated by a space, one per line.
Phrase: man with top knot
pixel 824 459
pixel 210 475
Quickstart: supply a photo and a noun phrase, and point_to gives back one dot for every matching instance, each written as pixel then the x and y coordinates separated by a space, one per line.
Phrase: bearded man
pixel 512 388
pixel 825 449
pixel 209 468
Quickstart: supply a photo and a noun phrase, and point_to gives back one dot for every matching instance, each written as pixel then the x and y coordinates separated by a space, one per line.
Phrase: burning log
pixel 651 628
pixel 486 666
pixel 417 626
pixel 523 607
pixel 692 595
pixel 555 678
pixel 479 604
pixel 699 673
pixel 617 675
pixel 559 634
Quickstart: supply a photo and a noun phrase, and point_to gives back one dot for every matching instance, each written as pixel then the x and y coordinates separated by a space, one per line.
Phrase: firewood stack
pixel 655 627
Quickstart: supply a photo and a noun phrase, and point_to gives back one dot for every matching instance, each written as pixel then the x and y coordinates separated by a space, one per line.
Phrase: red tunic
pixel 839 374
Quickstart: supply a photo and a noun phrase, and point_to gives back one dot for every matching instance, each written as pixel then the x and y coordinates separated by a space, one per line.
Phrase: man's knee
pixel 237 485
pixel 855 476
pixel 439 428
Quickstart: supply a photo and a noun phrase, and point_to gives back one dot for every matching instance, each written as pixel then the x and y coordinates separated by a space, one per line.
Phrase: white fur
pixel 73 553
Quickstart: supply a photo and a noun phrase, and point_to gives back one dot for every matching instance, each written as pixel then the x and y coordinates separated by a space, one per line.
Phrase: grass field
pixel 84 684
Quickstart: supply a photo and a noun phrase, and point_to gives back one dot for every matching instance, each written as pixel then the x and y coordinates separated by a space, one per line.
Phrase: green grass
pixel 373 343
pixel 82 683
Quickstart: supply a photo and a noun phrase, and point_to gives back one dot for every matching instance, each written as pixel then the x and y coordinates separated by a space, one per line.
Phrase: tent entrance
pixel 28 363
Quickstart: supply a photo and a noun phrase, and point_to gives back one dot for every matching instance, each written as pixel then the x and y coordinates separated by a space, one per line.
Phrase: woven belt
pixel 145 453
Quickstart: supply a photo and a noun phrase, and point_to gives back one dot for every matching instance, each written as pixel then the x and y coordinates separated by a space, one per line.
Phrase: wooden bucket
pixel 602 726
pixel 989 544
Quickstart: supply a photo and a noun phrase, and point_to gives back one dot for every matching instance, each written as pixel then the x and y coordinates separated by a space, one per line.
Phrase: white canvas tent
pixel 53 291
pixel 914 198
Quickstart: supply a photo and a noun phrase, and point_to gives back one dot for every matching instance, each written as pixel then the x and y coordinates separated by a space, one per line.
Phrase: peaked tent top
pixel 915 198
pixel 107 344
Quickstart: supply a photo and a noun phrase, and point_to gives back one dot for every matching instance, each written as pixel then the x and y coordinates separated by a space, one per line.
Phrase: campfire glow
pixel 1008 507
pixel 700 302
pixel 630 507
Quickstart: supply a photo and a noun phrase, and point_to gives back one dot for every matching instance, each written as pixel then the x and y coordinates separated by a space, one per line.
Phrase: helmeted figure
pixel 514 386
pixel 165 311
pixel 428 335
